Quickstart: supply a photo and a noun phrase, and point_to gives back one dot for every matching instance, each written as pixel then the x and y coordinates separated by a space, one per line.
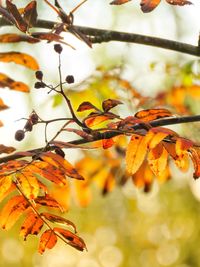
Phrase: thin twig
pixel 107 135
pixel 102 35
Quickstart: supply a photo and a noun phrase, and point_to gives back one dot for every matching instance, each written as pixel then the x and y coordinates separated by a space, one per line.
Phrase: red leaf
pixel 86 106
pixel 30 14
pixel 110 103
pixel 149 5
pixel 19 22
pixel 71 239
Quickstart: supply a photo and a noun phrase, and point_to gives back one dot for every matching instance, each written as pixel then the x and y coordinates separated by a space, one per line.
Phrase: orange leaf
pixel 72 239
pixel 6 81
pixel 19 58
pixel 6 186
pixel 12 211
pixel 15 38
pixel 179 2
pixel 12 165
pixel 157 159
pixel 96 118
pixel 3 106
pixel 152 114
pixel 47 201
pixel 55 218
pixel 143 177
pixel 195 156
pixel 49 172
pixel 31 225
pixel 156 135
pixel 47 240
pixel 149 5
pixel 107 143
pixel 61 164
pixel 1 124
pixel 136 152
pixel 182 145
pixel 28 183
pixel 119 2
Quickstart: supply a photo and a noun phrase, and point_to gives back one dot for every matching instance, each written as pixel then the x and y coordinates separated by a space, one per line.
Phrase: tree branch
pixel 104 135
pixel 101 35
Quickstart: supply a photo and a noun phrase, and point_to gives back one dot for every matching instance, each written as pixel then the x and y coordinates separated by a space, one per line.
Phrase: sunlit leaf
pixel 110 103
pixel 15 38
pixel 95 118
pixel 47 241
pixel 47 201
pixel 61 164
pixel 5 186
pixel 57 219
pixel 19 58
pixel 195 156
pixel 157 159
pixel 86 106
pixel 31 225
pixel 152 114
pixel 3 106
pixel 6 81
pixel 135 153
pixel 29 184
pixel 12 210
pixel 71 239
pixel 119 2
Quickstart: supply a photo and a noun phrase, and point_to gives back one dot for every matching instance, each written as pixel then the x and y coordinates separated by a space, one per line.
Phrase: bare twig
pixel 101 35
pixel 106 135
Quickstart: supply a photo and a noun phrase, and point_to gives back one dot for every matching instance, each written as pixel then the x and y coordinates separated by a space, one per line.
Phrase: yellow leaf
pixel 136 152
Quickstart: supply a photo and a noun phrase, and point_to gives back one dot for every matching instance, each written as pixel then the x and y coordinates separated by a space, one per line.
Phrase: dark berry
pixel 69 79
pixel 19 135
pixel 39 85
pixel 58 48
pixel 39 75
pixel 28 126
pixel 34 118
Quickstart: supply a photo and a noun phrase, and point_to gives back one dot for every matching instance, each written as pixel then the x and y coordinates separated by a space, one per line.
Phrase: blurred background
pixel 125 227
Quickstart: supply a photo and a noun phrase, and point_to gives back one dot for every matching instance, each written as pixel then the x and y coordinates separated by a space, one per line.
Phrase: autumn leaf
pixel 18 20
pixel 6 149
pixel 152 114
pixel 195 156
pixel 86 106
pixel 12 210
pixel 6 81
pixel 1 124
pixel 31 225
pixel 119 2
pixel 71 239
pixel 28 183
pixel 47 201
pixel 95 118
pixel 110 103
pixel 62 164
pixel 12 165
pixel 30 14
pixel 6 186
pixel 49 172
pixel 47 240
pixel 157 159
pixel 135 153
pixel 19 58
pixel 58 219
pixel 15 38
pixel 3 106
